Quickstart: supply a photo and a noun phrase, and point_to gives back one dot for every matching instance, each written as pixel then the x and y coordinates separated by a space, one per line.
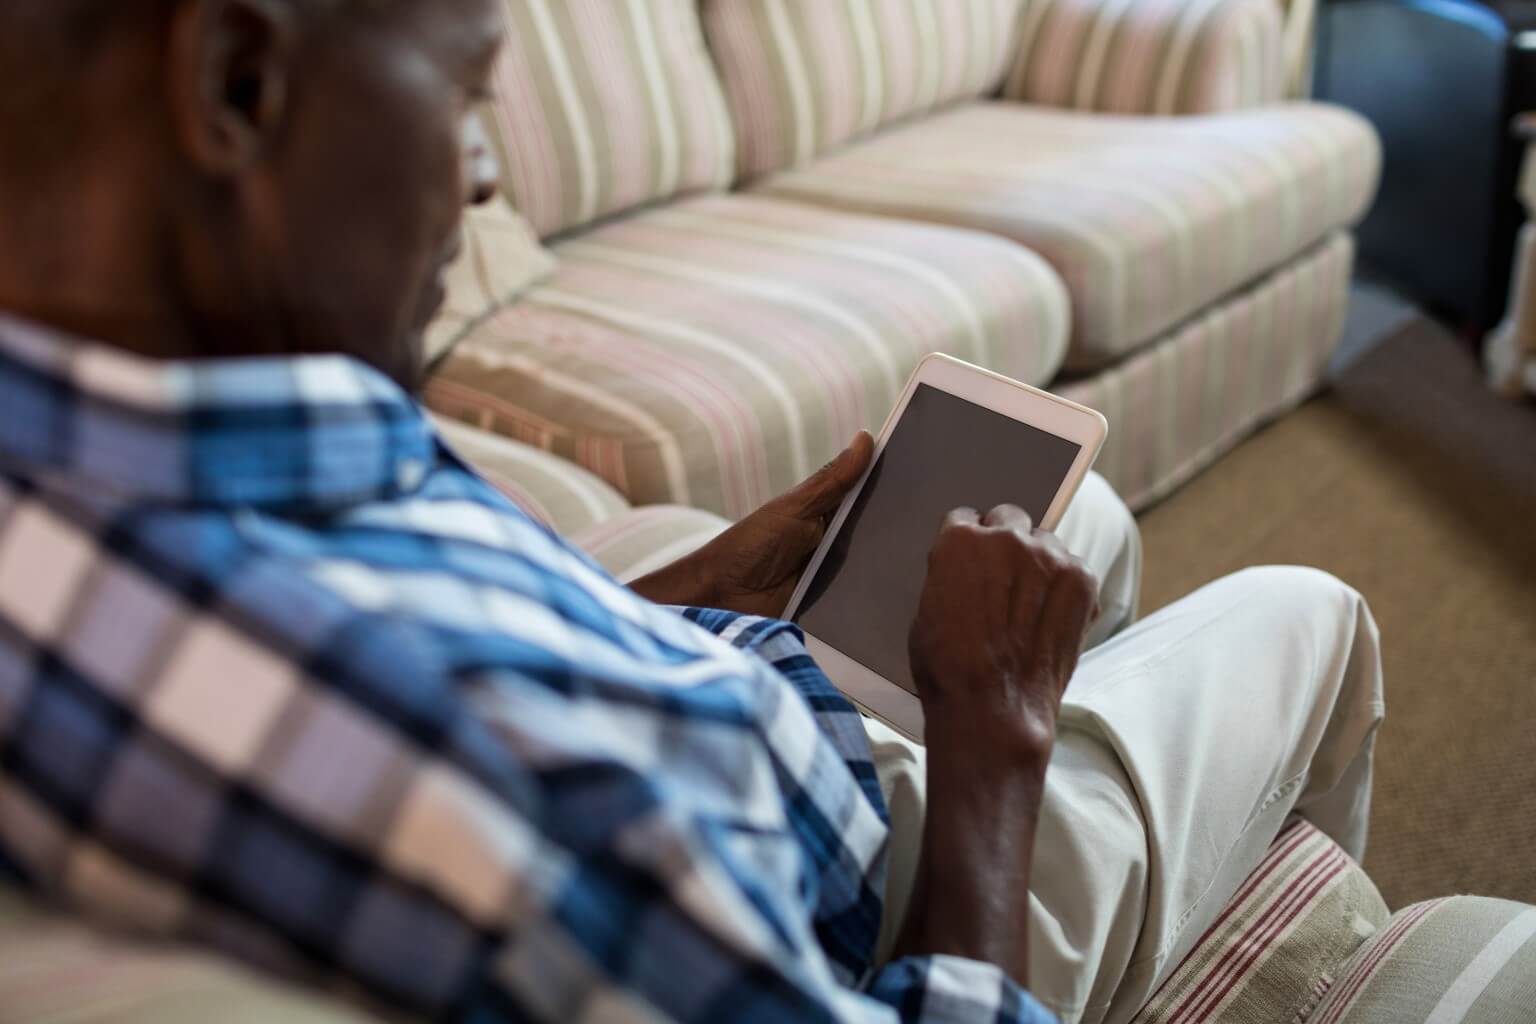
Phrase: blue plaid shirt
pixel 279 675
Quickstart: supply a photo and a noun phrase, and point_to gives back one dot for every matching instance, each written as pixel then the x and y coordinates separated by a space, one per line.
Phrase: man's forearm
pixel 972 893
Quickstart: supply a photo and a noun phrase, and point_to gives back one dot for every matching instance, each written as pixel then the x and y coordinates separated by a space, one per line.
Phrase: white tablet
pixel 959 436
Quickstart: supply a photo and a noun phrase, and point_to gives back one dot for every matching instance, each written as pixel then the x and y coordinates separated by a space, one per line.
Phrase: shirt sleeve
pixel 950 990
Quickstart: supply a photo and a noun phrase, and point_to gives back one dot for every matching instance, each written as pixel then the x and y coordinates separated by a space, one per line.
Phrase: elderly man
pixel 279 675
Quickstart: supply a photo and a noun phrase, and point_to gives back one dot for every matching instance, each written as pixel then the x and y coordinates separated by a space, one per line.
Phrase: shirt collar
pixel 299 435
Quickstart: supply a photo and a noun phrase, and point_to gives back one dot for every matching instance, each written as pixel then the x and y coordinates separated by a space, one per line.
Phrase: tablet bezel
pixel 1068 420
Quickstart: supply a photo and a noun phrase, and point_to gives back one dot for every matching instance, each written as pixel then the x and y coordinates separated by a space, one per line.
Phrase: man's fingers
pixel 825 489
pixel 963 517
pixel 1009 517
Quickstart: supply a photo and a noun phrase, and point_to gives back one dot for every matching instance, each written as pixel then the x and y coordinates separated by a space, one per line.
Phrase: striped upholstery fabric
pixel 714 352
pixel 1150 56
pixel 501 259
pixel 1464 959
pixel 1303 911
pixel 54 970
pixel 627 542
pixel 550 489
pixel 645 539
pixel 1148 220
pixel 603 105
pixel 804 76
pixel 1176 406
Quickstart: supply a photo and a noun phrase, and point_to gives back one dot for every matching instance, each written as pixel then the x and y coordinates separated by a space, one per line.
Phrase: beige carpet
pixel 1412 482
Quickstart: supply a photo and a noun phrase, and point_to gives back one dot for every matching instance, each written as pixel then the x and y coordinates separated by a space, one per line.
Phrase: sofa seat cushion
pixel 1467 959
pixel 1175 406
pixel 1299 915
pixel 714 352
pixel 1148 220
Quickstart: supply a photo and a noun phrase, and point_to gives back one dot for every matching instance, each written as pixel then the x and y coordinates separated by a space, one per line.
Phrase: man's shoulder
pixel 132 597
pixel 417 585
pixel 221 628
pixel 391 608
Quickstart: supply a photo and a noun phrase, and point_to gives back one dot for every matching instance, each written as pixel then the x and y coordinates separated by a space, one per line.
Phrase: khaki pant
pixel 1184 742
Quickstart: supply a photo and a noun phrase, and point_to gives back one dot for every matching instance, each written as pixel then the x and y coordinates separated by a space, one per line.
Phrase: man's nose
pixel 482 171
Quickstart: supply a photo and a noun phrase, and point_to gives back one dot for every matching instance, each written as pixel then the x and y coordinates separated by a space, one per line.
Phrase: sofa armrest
pixel 1465 958
pixel 556 492
pixel 1150 56
pixel 55 967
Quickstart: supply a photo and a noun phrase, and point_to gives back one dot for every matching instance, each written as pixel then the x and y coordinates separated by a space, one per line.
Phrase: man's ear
pixel 229 65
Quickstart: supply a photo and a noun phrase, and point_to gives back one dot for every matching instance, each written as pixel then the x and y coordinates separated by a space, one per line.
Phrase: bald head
pixel 49 51
pixel 226 177
pixel 79 22
pixel 33 28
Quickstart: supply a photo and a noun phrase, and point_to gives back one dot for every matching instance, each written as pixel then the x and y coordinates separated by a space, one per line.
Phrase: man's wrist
pixel 985 789
pixel 963 730
pixel 986 766
pixel 685 582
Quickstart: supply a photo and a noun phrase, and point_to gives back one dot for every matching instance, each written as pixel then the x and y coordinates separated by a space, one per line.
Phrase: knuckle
pixel 1084 582
pixel 1010 548
pixel 1064 560
pixel 1038 550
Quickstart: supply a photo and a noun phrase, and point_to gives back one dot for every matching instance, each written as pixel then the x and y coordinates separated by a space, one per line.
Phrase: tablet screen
pixel 945 453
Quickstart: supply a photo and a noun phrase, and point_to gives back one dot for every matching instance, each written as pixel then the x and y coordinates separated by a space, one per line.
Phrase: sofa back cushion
pixel 803 76
pixel 604 105
pixel 1150 56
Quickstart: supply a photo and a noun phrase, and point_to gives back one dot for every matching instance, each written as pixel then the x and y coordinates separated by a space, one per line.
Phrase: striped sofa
pixel 762 213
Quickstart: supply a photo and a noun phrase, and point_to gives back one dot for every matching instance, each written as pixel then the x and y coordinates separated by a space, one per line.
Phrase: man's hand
pixel 999 627
pixel 998 632
pixel 754 566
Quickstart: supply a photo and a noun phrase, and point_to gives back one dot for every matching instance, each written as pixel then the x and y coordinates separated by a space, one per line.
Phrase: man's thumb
pixel 824 491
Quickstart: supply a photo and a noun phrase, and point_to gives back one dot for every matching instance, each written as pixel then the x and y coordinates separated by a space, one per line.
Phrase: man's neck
pixel 140 332
pixel 81 264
